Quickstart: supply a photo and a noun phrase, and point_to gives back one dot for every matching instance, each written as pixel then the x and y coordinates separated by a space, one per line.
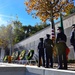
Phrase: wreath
pixel 15 55
pixel 30 54
pixel 5 58
pixel 22 55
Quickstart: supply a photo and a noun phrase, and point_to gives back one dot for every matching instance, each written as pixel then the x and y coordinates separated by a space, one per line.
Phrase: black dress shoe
pixel 46 67
pixel 38 65
pixel 60 68
pixel 64 68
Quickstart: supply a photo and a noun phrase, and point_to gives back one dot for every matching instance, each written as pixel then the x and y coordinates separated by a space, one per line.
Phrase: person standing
pixel 48 45
pixel 41 53
pixel 72 39
pixel 61 47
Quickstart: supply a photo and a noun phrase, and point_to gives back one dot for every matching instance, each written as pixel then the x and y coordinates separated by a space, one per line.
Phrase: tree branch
pixel 56 2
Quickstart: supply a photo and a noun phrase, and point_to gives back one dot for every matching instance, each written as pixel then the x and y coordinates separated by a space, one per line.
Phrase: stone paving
pixel 11 65
pixel 71 66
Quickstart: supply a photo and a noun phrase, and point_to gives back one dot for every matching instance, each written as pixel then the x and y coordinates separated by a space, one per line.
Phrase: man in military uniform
pixel 72 39
pixel 61 46
pixel 48 44
pixel 41 53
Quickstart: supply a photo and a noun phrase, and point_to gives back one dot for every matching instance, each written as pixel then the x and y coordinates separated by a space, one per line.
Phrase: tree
pixel 18 32
pixel 11 34
pixel 71 11
pixel 5 35
pixel 29 30
pixel 47 9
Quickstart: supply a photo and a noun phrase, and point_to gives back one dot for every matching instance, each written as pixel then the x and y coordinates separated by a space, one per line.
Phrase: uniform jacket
pixel 61 37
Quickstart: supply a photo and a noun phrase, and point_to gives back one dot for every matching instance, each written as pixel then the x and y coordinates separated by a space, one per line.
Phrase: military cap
pixel 41 38
pixel 60 28
pixel 47 34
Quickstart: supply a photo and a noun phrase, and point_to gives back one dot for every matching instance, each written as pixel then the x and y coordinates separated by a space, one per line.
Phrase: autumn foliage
pixel 46 9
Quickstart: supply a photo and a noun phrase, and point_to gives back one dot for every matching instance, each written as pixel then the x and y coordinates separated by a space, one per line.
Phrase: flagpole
pixel 61 21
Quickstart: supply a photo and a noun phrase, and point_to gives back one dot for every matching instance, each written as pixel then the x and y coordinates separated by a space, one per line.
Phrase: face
pixel 74 28
pixel 58 30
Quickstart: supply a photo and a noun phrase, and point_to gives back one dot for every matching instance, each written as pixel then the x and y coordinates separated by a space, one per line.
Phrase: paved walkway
pixel 71 66
pixel 11 65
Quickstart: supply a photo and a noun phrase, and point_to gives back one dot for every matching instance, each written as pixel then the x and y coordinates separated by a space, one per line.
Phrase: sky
pixel 10 8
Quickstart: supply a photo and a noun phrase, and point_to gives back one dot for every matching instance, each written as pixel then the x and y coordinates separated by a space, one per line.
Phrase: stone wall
pixel 32 42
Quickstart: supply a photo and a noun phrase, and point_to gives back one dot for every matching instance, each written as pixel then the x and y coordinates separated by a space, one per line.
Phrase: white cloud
pixel 1 15
pixel 2 21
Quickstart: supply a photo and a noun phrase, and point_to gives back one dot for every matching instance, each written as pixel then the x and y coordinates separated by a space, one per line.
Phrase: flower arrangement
pixel 22 55
pixel 5 58
pixel 30 55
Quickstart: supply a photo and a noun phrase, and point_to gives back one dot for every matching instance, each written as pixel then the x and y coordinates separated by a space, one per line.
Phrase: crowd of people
pixel 45 49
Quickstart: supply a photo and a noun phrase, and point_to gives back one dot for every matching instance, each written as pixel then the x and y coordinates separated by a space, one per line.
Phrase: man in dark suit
pixel 48 44
pixel 41 53
pixel 61 46
pixel 72 39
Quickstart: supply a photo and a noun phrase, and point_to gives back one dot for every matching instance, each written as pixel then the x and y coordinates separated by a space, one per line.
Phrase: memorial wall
pixel 32 41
